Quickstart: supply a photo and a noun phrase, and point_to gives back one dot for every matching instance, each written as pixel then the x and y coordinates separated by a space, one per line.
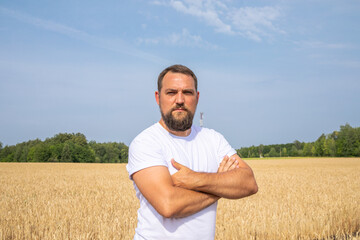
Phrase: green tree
pixel 313 151
pixel 242 152
pixel 65 147
pixel 254 152
pixel 329 147
pixel 273 152
pixel 319 146
pixel 7 154
pixel 307 149
pixel 79 139
pixel 294 151
pixel 261 150
pixel 82 154
pixel 61 138
pixel 18 152
pixel 42 153
pixel 55 150
pixel 124 154
pixel 346 141
pixel 66 153
pixel 298 145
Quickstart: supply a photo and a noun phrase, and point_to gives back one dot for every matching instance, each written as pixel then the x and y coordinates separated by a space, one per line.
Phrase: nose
pixel 180 98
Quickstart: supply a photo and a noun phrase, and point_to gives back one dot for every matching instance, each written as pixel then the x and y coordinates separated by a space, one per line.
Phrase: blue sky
pixel 269 71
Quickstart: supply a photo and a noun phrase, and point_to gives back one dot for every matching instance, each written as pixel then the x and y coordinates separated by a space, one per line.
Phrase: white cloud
pixel 255 22
pixel 251 22
pixel 156 2
pixel 185 38
pixel 205 10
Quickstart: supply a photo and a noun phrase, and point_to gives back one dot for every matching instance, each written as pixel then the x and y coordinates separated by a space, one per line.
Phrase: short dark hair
pixel 177 68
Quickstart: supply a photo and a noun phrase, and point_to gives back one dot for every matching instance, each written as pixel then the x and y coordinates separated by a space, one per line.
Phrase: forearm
pixel 156 185
pixel 230 182
pixel 183 202
pixel 234 184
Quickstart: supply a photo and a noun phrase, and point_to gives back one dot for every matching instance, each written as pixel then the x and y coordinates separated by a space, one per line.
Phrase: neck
pixel 176 133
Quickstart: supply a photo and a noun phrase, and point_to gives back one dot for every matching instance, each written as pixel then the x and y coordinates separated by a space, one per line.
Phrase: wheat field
pixel 297 199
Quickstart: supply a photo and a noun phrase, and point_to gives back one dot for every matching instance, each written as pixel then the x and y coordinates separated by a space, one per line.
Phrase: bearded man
pixel 180 171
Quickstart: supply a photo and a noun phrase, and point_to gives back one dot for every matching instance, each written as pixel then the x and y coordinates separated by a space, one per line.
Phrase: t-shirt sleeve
pixel 224 147
pixel 144 153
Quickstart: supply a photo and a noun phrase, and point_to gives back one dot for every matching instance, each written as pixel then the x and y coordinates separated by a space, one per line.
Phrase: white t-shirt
pixel 201 151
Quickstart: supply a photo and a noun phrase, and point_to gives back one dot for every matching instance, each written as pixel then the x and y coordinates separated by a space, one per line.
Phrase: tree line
pixel 70 147
pixel 65 147
pixel 342 143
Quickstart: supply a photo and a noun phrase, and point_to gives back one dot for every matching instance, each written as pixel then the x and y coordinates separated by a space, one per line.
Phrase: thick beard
pixel 174 124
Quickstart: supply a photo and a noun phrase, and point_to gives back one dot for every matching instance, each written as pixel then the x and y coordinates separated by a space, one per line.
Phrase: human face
pixel 177 100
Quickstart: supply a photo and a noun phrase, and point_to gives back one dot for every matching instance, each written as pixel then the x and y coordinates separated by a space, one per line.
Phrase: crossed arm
pixel 187 192
pixel 235 182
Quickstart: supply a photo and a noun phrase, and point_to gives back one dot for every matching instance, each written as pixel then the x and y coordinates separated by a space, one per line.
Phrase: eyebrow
pixel 183 90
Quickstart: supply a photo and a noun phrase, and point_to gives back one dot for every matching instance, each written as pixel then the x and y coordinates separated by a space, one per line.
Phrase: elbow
pixel 243 192
pixel 167 208
pixel 252 186
pixel 254 189
pixel 167 212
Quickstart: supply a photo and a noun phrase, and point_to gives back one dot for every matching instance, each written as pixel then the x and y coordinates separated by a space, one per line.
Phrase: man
pixel 179 170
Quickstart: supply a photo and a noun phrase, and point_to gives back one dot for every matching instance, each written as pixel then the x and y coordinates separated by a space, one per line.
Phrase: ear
pixel 157 97
pixel 198 95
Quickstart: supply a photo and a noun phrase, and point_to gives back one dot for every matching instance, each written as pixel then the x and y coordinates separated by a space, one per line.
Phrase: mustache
pixel 179 107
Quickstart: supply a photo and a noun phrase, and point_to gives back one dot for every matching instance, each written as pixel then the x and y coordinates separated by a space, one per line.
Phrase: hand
pixel 228 164
pixel 184 177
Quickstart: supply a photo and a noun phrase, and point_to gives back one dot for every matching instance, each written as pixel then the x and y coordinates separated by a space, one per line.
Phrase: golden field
pixel 297 199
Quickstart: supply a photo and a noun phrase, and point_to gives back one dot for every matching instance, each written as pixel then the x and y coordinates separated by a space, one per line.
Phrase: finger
pixel 223 163
pixel 232 163
pixel 176 164
pixel 235 164
pixel 228 164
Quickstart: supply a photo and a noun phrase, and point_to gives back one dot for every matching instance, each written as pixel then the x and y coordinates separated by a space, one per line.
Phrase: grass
pixel 297 199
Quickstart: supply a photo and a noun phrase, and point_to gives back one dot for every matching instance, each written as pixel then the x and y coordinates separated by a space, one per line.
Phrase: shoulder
pixel 149 135
pixel 211 136
pixel 217 141
pixel 207 132
pixel 145 150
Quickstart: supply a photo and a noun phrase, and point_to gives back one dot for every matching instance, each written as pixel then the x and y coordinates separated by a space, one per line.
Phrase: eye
pixel 171 93
pixel 188 92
